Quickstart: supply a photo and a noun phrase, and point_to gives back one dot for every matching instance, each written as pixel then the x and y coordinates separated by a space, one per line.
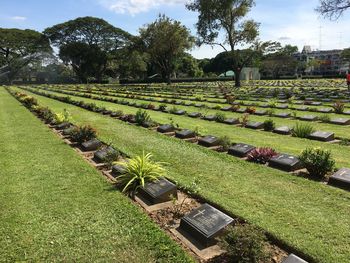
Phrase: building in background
pixel 322 62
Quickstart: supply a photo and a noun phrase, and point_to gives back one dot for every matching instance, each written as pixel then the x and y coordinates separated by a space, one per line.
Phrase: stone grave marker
pixel 231 121
pixel 308 118
pixel 284 130
pixel 194 115
pixel 302 108
pixel 209 118
pixel 341 179
pixel 240 150
pixel 205 223
pixel 227 108
pixel 117 170
pixel 340 121
pixel 260 112
pixel 159 191
pixel 325 110
pixel 101 155
pixel 68 131
pixel 63 126
pixel 107 112
pixel 282 106
pixel 208 141
pixel 254 125
pixel 180 112
pixel 185 134
pixel 322 136
pixel 166 128
pixel 241 110
pixel 91 145
pixel 316 103
pixel 282 115
pixel 285 162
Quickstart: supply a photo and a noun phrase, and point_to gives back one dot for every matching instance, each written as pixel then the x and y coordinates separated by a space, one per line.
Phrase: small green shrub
pixel 269 125
pixel 324 118
pixel 83 133
pixel 139 171
pixel 142 117
pixel 318 162
pixel 28 101
pixel 344 142
pixel 246 244
pixel 200 130
pixel 162 107
pixel 270 112
pixel 173 110
pixel 338 107
pixel 217 107
pixel 245 119
pixel 272 104
pixel 220 117
pixel 62 117
pixel 224 142
pixel 118 113
pixel 302 130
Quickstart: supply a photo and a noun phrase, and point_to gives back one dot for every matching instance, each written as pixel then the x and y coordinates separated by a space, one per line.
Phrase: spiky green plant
pixel 139 171
pixel 302 130
pixel 142 117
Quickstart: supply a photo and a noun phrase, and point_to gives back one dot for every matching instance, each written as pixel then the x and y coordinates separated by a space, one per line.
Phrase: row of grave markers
pixel 283 130
pixel 284 162
pixel 337 121
pixel 201 226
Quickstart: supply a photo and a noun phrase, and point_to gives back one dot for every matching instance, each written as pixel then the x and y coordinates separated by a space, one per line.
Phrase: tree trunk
pixel 237 77
pixel 168 79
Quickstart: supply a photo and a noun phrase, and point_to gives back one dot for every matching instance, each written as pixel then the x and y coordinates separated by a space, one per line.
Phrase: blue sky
pixel 293 22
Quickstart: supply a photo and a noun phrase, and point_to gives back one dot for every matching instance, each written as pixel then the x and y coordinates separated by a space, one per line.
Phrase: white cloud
pixel 18 18
pixel 134 7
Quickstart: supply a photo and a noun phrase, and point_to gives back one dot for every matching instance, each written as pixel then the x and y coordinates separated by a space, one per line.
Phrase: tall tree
pixel 227 16
pixel 280 62
pixel 165 40
pixel 189 66
pixel 99 41
pixel 19 48
pixel 86 60
pixel 333 9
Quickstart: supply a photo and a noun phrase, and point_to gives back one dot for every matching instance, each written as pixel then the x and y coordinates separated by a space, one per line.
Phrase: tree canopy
pixel 281 62
pixel 228 17
pixel 333 9
pixel 18 48
pixel 165 40
pixel 88 44
pixel 88 30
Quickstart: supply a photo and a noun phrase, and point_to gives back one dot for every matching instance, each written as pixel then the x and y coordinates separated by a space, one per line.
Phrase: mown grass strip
pixel 311 217
pixel 339 130
pixel 55 207
pixel 283 144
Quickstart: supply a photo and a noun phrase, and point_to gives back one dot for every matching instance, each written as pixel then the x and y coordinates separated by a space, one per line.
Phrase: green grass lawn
pixel 311 217
pixel 284 144
pixel 339 130
pixel 55 207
